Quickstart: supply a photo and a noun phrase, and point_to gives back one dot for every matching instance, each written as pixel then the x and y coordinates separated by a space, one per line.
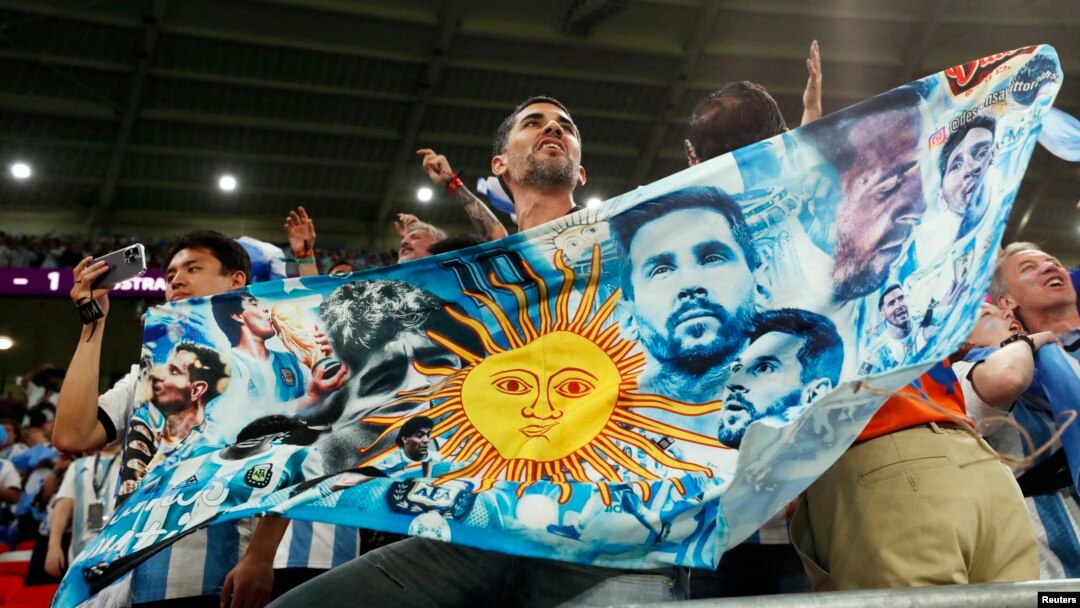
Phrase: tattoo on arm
pixel 480 215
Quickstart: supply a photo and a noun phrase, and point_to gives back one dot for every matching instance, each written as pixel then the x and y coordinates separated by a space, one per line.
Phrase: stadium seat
pixel 18 569
pixel 4 547
pixel 15 563
pixel 9 584
pixel 37 596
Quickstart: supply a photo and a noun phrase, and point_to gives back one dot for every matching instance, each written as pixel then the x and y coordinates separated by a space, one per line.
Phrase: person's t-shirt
pixel 89 480
pixel 907 409
pixel 9 478
pixel 116 404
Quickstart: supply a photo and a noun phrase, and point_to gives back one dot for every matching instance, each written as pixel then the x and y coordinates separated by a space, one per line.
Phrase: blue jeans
pixel 423 573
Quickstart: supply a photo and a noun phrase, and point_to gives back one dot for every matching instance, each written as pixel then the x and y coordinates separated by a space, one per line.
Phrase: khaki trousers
pixel 899 510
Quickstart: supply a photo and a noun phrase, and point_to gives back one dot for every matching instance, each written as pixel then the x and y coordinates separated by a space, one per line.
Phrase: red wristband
pixel 454 183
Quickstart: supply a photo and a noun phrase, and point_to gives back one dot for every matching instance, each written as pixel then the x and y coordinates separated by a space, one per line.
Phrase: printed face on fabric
pixel 256 317
pixel 765 382
pixel 966 168
pixel 378 328
pixel 388 369
pixel 882 201
pixel 172 386
pixel 894 309
pixel 692 286
pixel 415 445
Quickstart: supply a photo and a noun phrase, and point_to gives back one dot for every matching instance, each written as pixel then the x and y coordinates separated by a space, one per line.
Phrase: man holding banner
pixel 200 264
pixel 546 425
pixel 538 155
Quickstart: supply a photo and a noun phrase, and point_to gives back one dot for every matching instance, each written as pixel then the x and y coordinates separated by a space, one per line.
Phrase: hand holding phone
pixel 123 264
pixel 94 278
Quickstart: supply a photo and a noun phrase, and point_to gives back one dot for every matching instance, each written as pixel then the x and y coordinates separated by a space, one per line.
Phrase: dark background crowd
pixel 65 251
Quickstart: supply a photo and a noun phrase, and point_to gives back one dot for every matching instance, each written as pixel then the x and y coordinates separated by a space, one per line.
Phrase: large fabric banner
pixel 639 384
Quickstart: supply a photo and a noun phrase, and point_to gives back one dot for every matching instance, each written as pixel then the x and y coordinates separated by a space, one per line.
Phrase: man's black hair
pixel 231 254
pixel 979 122
pixel 49 378
pixel 352 267
pixel 738 115
pixel 296 432
pixel 36 418
pixel 208 367
pixel 626 224
pixel 411 426
pixel 502 135
pixel 822 352
pixel 224 306
pixel 455 242
pixel 888 290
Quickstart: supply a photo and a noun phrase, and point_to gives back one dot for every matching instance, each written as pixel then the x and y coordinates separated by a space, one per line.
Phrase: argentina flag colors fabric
pixel 633 385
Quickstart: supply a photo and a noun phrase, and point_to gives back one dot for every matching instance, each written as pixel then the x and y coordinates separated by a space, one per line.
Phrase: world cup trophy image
pixel 296 330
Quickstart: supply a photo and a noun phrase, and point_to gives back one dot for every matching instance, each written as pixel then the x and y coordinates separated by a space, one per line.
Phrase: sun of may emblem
pixel 555 402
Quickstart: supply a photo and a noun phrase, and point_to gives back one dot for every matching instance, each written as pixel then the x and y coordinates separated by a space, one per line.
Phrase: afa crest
pixel 259 476
pixel 288 378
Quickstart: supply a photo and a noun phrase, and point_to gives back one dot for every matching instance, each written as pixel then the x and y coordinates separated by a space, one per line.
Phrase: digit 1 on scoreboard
pixel 54 281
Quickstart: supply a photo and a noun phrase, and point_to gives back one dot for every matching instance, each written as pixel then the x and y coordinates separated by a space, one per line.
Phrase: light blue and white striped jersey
pixel 1056 516
pixel 79 486
pixel 283 369
pixel 257 388
pixel 399 466
pixel 317 545
pixel 180 498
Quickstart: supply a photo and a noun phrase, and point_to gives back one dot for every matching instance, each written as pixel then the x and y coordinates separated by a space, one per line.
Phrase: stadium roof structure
pixel 129 110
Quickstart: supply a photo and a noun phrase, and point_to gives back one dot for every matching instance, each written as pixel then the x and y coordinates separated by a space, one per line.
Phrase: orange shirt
pixel 938 384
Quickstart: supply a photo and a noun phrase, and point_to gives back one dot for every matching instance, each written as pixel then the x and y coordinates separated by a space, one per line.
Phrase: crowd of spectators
pixel 65 251
pixel 31 470
pixel 849 530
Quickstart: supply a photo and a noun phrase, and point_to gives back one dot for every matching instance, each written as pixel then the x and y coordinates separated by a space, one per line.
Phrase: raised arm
pixel 811 97
pixel 76 427
pixel 438 169
pixel 1006 373
pixel 301 233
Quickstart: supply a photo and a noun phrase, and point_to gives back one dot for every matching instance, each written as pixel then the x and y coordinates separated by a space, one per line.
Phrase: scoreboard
pixel 58 282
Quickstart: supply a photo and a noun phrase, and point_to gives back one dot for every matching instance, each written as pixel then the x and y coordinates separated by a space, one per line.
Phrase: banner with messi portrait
pixel 633 385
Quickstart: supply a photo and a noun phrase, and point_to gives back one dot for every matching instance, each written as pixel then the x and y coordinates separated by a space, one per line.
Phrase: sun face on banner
pixel 557 403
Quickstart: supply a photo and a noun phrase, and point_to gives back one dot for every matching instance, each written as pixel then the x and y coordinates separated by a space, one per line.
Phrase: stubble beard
pixel 695 362
pixel 544 174
pixel 733 437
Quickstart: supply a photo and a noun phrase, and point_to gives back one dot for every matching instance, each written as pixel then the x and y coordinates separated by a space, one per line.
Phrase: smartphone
pixel 124 264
